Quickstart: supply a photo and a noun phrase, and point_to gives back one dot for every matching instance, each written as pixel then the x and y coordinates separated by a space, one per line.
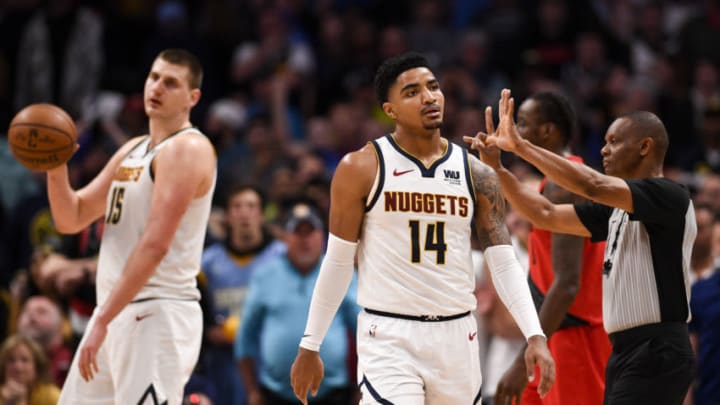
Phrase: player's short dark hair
pixel 645 124
pixel 185 58
pixel 391 68
pixel 243 187
pixel 556 108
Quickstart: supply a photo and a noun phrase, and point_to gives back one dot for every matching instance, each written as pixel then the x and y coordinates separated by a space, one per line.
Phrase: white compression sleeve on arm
pixel 512 287
pixel 336 273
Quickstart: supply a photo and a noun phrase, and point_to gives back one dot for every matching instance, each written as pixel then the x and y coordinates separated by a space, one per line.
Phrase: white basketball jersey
pixel 128 208
pixel 414 252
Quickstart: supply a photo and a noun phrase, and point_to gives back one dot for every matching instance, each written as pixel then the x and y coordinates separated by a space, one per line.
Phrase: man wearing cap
pixel 274 319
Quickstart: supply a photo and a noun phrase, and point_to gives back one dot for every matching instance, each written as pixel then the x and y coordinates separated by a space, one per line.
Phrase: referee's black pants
pixel 338 396
pixel 649 364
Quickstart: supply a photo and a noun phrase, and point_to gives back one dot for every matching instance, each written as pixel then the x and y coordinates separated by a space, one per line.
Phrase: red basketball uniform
pixel 580 347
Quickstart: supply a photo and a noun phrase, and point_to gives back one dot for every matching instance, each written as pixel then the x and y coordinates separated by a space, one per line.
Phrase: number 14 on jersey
pixel 434 240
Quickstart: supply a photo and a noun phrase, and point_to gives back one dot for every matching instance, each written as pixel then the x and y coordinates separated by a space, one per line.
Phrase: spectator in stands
pixel 702 261
pixel 24 375
pixel 274 319
pixel 68 273
pixel 226 270
pixel 705 336
pixel 41 320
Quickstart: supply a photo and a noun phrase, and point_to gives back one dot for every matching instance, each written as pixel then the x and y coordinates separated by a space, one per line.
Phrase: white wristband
pixel 512 287
pixel 336 273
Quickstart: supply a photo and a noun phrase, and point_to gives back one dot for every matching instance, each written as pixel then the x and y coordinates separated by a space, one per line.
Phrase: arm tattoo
pixel 490 209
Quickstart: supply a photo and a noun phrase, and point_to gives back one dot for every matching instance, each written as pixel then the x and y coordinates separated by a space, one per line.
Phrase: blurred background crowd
pixel 287 92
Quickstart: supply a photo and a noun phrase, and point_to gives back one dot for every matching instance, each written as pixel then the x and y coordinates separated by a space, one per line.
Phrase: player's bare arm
pixel 575 177
pixel 72 210
pixel 349 190
pixel 183 171
pixel 567 261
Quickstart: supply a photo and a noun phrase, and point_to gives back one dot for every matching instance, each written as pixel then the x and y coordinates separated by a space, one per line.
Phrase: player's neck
pixel 428 145
pixel 161 128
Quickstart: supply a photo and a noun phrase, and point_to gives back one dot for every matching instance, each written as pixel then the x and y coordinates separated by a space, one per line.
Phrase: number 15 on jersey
pixel 115 209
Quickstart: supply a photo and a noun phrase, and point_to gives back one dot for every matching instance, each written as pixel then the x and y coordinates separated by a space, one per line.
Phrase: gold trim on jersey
pixel 124 173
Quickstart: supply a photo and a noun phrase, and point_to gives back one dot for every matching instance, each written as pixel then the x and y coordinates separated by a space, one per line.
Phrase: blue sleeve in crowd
pixel 247 339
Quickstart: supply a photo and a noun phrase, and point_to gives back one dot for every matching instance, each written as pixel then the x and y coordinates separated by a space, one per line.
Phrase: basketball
pixel 42 137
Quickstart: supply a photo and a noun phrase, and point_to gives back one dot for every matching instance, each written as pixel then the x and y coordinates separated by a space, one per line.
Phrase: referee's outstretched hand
pixel 490 155
pixel 306 374
pixel 538 354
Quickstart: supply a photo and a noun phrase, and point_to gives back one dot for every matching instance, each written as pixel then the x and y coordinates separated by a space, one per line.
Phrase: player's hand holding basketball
pixel 306 373
pixel 538 354
pixel 42 137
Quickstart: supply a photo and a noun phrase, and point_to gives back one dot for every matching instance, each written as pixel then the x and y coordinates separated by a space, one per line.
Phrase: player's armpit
pixel 490 206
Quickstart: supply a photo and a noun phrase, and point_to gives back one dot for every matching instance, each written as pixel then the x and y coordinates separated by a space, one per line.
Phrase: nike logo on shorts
pixel 471 336
pixel 141 317
pixel 397 173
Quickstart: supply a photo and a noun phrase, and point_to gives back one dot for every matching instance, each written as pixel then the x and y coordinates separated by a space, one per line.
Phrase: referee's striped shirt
pixel 647 256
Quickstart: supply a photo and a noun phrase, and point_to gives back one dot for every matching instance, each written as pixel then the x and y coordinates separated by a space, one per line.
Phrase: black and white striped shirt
pixel 647 257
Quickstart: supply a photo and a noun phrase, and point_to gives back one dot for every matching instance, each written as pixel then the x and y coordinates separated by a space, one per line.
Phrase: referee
pixel 649 225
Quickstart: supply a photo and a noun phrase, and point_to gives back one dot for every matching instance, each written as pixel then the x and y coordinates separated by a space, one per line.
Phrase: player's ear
pixel 646 146
pixel 389 110
pixel 194 96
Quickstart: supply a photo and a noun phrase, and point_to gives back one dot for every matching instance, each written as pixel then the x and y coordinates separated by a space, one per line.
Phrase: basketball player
pixel 144 336
pixel 406 201
pixel 649 224
pixel 564 278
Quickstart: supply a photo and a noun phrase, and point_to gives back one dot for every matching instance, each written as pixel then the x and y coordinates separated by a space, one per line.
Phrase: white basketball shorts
pixel 410 362
pixel 147 357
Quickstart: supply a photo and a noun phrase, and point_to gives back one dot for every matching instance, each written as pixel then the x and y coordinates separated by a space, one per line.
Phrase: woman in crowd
pixel 24 377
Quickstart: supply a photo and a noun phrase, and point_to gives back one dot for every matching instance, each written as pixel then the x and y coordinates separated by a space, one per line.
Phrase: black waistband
pixel 632 336
pixel 421 318
pixel 162 298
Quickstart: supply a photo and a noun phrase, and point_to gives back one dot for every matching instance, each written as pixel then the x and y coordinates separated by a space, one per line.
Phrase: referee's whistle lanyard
pixel 608 264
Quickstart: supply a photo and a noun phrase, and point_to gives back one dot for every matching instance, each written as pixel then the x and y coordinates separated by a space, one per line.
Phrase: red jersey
pixel 588 301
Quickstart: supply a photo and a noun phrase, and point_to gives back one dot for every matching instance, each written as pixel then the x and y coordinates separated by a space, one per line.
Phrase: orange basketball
pixel 42 136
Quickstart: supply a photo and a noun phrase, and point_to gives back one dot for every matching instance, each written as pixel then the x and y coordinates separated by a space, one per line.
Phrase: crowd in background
pixel 288 90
